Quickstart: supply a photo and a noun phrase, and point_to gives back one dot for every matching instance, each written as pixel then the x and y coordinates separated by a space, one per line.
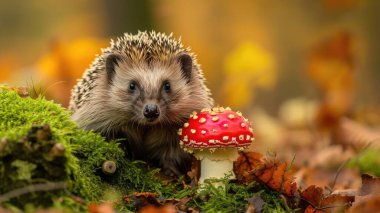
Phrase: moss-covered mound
pixel 40 145
pixel 45 161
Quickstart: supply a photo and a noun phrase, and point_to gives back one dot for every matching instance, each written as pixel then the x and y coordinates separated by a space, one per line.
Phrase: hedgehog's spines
pixel 138 47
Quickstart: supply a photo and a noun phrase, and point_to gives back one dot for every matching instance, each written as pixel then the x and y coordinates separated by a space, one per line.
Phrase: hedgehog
pixel 141 90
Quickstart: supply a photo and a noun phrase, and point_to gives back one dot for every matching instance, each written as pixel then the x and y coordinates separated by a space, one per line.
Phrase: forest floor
pixel 48 165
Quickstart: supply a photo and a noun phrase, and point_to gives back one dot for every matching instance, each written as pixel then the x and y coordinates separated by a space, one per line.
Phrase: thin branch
pixel 337 174
pixel 32 188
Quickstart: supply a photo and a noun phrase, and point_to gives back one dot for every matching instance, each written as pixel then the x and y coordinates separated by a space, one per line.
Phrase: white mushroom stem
pixel 215 169
pixel 216 164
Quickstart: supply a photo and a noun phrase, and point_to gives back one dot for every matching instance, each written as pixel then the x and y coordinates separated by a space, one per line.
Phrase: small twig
pixel 32 188
pixel 337 174
pixel 43 93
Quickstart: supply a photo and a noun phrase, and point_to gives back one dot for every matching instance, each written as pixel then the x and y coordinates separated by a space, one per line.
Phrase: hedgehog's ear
pixel 112 60
pixel 186 63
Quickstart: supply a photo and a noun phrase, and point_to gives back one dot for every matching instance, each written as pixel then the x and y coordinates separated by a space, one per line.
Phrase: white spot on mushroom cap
pixel 216 118
pixel 202 120
pixel 186 125
pixel 193 131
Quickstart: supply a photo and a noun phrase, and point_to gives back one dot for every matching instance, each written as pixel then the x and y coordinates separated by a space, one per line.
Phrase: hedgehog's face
pixel 151 93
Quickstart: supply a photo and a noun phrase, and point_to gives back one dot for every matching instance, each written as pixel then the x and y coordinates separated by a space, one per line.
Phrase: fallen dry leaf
pixel 161 209
pixel 143 199
pixel 278 177
pixel 101 208
pixel 194 174
pixel 352 133
pixel 147 202
pixel 366 204
pixel 247 162
pixel 370 185
pixel 252 166
pixel 316 200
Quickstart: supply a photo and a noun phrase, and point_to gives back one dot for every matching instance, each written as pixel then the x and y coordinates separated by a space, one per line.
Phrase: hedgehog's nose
pixel 151 111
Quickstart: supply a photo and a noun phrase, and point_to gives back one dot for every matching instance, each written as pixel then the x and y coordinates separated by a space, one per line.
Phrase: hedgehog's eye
pixel 167 87
pixel 132 86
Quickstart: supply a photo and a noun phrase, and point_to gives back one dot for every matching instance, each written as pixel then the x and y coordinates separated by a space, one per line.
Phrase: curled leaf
pixel 317 200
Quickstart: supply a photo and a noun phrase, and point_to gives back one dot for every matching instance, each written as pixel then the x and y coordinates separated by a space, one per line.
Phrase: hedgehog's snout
pixel 151 112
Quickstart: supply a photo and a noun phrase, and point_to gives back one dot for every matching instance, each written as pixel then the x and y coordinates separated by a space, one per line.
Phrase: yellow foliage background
pixel 254 53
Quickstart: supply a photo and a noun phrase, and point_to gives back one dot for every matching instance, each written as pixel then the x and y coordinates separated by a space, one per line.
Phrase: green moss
pixel 234 197
pixel 81 165
pixel 367 161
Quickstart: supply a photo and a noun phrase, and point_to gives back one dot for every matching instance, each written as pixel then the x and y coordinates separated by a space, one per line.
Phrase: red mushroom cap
pixel 216 128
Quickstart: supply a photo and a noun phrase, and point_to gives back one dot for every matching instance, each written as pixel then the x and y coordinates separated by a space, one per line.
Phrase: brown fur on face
pixel 103 102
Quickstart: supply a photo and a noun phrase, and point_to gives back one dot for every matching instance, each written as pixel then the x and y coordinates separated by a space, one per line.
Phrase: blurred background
pixel 303 71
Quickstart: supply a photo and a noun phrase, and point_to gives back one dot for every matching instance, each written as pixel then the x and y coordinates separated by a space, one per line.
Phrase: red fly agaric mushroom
pixel 215 136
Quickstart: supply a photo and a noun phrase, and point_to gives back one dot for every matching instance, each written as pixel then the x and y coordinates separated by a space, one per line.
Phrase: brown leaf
pixel 147 202
pixel 339 201
pixel 251 166
pixel 101 208
pixel 310 209
pixel 370 185
pixel 247 162
pixel 194 174
pixel 143 199
pixel 149 209
pixel 317 200
pixel 179 203
pixel 277 176
pixel 163 209
pixel 22 91
pixel 191 210
pixel 313 195
pixel 367 204
pixel 352 133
